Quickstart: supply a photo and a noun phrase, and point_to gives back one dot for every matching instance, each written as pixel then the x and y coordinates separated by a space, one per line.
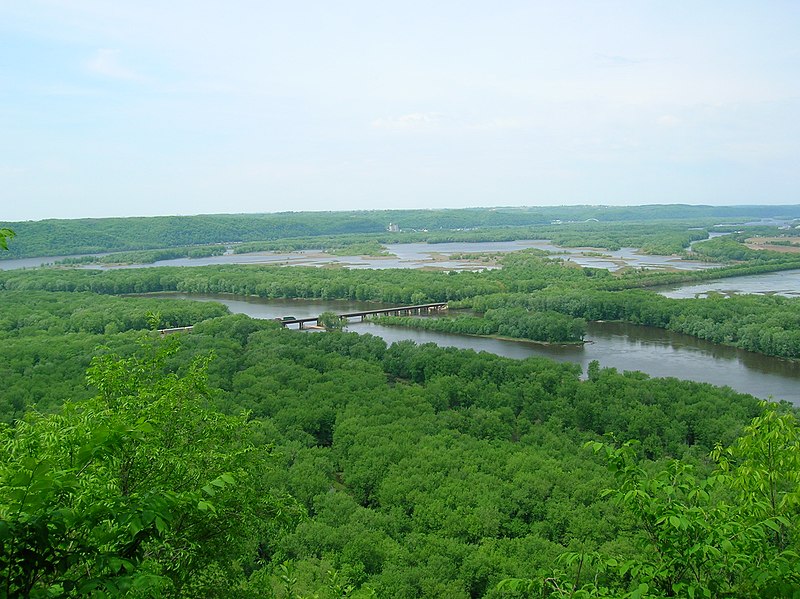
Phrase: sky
pixel 130 108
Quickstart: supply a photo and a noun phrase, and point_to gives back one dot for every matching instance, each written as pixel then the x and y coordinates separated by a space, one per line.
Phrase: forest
pixel 248 460
pixel 528 280
pixel 601 226
pixel 514 323
pixel 400 471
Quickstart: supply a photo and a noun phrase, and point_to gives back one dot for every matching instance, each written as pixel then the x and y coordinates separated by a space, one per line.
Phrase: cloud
pixel 501 124
pixel 105 62
pixel 427 121
pixel 67 91
pixel 613 60
pixel 9 170
pixel 409 122
pixel 669 120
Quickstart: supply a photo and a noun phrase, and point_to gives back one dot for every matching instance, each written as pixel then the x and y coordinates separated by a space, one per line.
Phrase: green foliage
pixel 733 533
pixel 31 313
pixel 730 249
pixel 135 490
pixel 5 235
pixel 765 324
pixel 332 321
pixel 363 248
pixel 47 340
pixel 540 286
pixel 763 468
pixel 389 286
pixel 148 256
pixel 423 471
pixel 670 238
pixel 598 226
pixel 462 470
pixel 515 323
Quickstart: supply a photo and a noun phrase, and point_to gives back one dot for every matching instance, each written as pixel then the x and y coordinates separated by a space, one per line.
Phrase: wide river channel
pixel 657 352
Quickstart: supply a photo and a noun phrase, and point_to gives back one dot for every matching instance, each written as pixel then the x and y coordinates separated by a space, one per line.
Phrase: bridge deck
pixel 396 310
pixel 362 314
pixel 176 330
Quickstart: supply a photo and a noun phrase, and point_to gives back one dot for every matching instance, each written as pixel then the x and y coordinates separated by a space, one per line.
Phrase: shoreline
pixel 498 337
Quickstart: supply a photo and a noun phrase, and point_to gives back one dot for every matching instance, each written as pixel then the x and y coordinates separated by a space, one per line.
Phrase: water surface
pixel 413 255
pixel 654 351
pixel 785 283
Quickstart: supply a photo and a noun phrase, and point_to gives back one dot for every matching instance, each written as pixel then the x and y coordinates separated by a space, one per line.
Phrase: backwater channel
pixel 410 255
pixel 654 351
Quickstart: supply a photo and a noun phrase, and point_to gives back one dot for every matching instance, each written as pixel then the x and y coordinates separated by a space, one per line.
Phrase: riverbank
pixel 499 337
pixel 510 323
pixel 626 347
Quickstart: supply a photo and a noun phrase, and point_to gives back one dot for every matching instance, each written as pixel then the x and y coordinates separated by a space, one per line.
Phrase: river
pixel 413 255
pixel 622 346
pixel 785 283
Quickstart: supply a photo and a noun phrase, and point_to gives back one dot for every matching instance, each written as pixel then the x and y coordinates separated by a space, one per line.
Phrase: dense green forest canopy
pixel 85 236
pixel 514 323
pixel 422 471
pixel 146 256
pixel 5 235
pixel 654 237
pixel 395 471
pixel 256 461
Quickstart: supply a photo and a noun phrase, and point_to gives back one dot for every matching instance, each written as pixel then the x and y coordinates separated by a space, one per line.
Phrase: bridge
pixel 289 320
pixel 175 330
pixel 397 311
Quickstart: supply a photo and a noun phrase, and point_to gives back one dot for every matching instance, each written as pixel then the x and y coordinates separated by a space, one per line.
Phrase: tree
pixel 5 235
pixel 331 321
pixel 140 488
pixel 735 533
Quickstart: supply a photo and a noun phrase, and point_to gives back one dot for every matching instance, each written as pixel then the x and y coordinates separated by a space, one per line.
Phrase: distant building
pixel 393 228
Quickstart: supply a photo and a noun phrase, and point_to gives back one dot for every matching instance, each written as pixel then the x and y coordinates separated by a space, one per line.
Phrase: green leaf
pixel 771 524
pixel 135 526
pixel 161 525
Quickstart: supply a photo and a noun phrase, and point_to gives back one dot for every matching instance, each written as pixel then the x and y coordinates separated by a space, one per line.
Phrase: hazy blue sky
pixel 118 107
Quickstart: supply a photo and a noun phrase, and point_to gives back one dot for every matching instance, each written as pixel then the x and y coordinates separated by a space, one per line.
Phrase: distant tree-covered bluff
pixel 83 236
